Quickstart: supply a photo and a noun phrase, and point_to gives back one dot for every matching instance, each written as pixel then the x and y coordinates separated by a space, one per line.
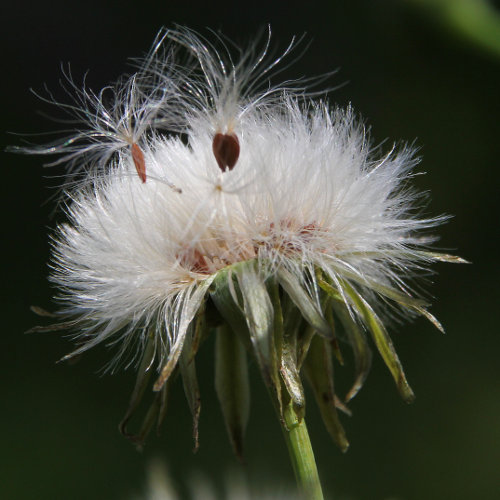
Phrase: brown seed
pixel 139 162
pixel 226 148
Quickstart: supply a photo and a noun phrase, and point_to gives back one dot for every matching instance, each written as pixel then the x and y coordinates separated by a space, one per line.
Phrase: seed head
pixel 264 217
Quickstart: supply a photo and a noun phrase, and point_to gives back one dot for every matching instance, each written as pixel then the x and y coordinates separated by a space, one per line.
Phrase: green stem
pixel 301 454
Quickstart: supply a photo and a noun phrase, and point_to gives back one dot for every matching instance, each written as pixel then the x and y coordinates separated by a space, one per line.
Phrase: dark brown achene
pixel 226 148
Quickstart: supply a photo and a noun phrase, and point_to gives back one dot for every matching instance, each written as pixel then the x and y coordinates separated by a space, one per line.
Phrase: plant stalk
pixel 301 455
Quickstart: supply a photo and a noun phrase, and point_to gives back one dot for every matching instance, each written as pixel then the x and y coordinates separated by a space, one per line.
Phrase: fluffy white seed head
pixel 306 192
pixel 292 183
pixel 202 198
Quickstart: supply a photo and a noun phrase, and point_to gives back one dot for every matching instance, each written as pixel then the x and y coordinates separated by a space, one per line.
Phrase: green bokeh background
pixel 412 79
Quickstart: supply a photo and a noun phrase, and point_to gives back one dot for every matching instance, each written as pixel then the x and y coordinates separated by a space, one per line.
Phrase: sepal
pixel 309 309
pixel 382 340
pixel 318 368
pixel 232 385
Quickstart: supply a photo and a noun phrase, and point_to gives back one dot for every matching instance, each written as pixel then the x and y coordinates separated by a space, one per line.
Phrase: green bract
pixel 289 325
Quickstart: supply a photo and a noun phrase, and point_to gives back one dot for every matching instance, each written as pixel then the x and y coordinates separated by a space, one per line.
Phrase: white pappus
pixel 240 185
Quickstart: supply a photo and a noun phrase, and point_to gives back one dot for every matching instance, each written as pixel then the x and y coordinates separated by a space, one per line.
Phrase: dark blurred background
pixel 414 74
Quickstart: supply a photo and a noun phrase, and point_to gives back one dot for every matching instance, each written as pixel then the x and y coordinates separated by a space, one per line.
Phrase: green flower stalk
pixel 264 218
